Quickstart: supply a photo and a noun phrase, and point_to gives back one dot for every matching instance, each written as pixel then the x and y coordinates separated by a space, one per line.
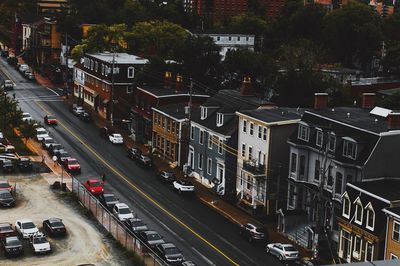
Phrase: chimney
pixel 179 83
pixel 246 89
pixel 320 100
pixel 167 79
pixel 368 100
pixel 394 121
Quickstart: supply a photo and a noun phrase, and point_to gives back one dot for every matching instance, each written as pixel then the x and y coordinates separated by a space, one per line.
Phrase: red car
pixel 6 230
pixel 72 165
pixel 50 120
pixel 94 186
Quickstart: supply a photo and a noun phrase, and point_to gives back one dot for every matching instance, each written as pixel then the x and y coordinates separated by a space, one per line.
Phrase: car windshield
pixel 260 230
pixel 28 225
pixel 49 141
pixel 109 198
pixel 72 162
pixel 63 154
pixel 5 227
pixel 26 115
pixel 4 185
pixel 153 236
pixel 117 136
pixel 12 241
pixel 39 240
pixel 95 184
pixel 171 251
pixel 124 211
pixel 50 117
pixel 137 223
pixel 57 224
pixel 289 248
pixel 5 195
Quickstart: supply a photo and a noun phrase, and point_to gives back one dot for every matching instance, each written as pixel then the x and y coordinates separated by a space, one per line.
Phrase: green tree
pixel 353 33
pixel 27 130
pixel 248 23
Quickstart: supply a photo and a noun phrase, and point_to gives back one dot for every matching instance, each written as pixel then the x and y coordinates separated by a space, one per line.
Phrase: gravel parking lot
pixel 84 242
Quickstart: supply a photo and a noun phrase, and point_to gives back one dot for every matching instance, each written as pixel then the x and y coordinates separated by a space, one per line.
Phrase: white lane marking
pixel 60 89
pixel 53 91
pixel 55 100
pixel 209 262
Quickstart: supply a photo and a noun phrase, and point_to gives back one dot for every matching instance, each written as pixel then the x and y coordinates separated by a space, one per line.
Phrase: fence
pixel 117 229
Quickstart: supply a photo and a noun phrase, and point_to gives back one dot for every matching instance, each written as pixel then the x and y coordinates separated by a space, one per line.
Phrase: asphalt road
pixel 203 235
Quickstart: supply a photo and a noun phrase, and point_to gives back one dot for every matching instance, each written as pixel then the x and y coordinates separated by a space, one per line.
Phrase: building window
pixel 200 161
pixel 192 132
pixel 129 89
pixel 304 132
pixel 370 218
pixel 210 141
pixel 251 129
pixel 250 153
pixel 317 170
pixel 291 202
pixel 203 111
pixel 244 126
pixel 359 212
pixel 357 247
pixel 131 72
pixel 259 132
pixel 248 183
pixel 220 172
pixel 338 183
pixel 393 257
pixel 220 143
pixel 329 182
pixel 346 207
pixel 201 137
pixel 209 166
pixel 396 231
pixel 320 137
pixel 243 150
pixel 369 252
pixel 293 166
pixel 302 165
pixel 349 149
pixel 264 133
pixel 331 142
pixel 220 119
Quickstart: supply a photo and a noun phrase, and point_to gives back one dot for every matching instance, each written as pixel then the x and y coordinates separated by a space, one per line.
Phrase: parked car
pixel 85 116
pixel 170 253
pixel 26 117
pixel 24 164
pixel 116 138
pixel 134 153
pixel 5 185
pixel 145 161
pixel 72 165
pixel 283 251
pixel 41 133
pixel 54 147
pixel 183 186
pixel 8 166
pixel 168 177
pixel 29 75
pixel 12 246
pixel 39 243
pixel 6 148
pixel 62 155
pixel 25 228
pixel 151 238
pixel 188 263
pixel 104 131
pixel 8 85
pixel 108 200
pixel 54 227
pixel 50 120
pixel 6 230
pixel 94 186
pixel 253 232
pixel 136 225
pixel 6 199
pixel 23 68
pixel 122 212
pixel 47 141
pixel 76 110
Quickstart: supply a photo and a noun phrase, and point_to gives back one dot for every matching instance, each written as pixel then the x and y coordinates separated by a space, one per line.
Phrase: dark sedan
pixel 24 164
pixel 6 199
pixel 136 225
pixel 108 200
pixel 84 116
pixel 151 238
pixel 253 232
pixel 8 166
pixel 6 230
pixel 12 246
pixel 134 153
pixel 167 177
pixel 170 253
pixel 54 227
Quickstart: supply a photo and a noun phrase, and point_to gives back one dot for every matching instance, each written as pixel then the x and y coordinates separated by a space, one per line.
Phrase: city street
pixel 203 235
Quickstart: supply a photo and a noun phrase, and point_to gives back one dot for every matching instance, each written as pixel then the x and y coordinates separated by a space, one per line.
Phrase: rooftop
pixel 176 111
pixel 120 58
pixel 273 115
pixel 384 188
pixel 160 91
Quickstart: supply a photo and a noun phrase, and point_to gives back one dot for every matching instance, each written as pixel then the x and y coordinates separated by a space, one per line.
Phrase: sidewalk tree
pixel 27 130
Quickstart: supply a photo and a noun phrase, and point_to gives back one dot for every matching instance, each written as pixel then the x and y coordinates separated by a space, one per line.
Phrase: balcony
pixel 253 168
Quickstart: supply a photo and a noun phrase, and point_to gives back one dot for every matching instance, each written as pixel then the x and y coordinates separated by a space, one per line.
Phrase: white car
pixel 283 251
pixel 116 138
pixel 26 228
pixel 39 243
pixel 41 133
pixel 122 212
pixel 26 117
pixel 23 68
pixel 76 110
pixel 183 186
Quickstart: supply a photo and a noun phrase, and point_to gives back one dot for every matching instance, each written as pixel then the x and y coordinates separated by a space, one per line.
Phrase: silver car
pixel 283 251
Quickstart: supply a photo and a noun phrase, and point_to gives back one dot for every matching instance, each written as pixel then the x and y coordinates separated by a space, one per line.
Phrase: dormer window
pixel 203 111
pixel 346 206
pixel 331 142
pixel 370 217
pixel 320 138
pixel 349 148
pixel 304 132
pixel 131 72
pixel 220 119
pixel 359 211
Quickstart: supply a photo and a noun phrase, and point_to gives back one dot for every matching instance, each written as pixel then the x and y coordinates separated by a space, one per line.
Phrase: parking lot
pixel 83 244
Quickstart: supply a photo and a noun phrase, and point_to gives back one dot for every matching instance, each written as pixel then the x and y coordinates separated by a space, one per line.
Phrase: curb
pixel 225 214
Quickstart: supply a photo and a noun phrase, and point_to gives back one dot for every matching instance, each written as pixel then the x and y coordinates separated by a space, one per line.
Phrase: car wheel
pixel 281 257
pixel 267 249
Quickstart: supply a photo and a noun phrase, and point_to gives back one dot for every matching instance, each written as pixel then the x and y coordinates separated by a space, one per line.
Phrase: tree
pixel 353 33
pixel 248 23
pixel 27 129
pixel 391 61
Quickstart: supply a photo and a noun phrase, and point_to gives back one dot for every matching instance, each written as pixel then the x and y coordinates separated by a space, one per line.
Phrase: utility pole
pixel 189 117
pixel 112 89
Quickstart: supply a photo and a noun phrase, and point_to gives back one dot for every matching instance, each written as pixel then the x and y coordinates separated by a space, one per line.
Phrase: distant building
pixel 383 8
pixel 51 7
pixel 392 245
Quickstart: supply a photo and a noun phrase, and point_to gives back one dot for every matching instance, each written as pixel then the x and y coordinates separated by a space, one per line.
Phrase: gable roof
pixel 273 115
pixel 383 189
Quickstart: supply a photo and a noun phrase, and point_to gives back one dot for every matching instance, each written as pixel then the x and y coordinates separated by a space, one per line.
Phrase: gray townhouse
pixel 212 155
pixel 330 148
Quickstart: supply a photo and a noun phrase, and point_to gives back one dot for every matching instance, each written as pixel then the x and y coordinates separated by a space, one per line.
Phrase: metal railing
pixel 117 229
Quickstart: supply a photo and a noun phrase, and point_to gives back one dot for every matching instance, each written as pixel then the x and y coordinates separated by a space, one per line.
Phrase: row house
pixel 106 82
pixel 147 97
pixel 363 223
pixel 329 148
pixel 213 138
pixel 262 157
pixel 392 242
pixel 170 133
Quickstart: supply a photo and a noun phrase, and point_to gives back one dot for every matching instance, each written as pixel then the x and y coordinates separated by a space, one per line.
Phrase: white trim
pixel 169 95
pixel 366 248
pixel 386 234
pixel 345 196
pixel 358 252
pixel 283 122
pixel 358 203
pixel 209 165
pixel 208 130
pixel 393 257
pixel 368 193
pixel 165 114
pixel 395 222
pixel 369 209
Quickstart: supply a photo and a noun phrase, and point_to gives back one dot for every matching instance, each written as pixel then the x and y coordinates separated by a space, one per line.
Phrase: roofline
pixel 158 110
pixel 278 123
pixel 369 193
pixel 165 96
pixel 213 132
pixel 104 80
pixel 390 213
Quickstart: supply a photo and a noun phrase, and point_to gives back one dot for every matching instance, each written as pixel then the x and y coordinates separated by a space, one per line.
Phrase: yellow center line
pixel 122 176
